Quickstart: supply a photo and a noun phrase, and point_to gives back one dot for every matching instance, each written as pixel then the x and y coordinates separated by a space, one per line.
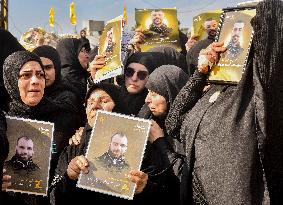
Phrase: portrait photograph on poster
pixel 28 163
pixel 116 146
pixel 236 32
pixel 160 27
pixel 110 46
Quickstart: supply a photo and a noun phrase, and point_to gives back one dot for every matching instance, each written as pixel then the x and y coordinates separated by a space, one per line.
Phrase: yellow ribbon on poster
pixel 51 16
pixel 73 18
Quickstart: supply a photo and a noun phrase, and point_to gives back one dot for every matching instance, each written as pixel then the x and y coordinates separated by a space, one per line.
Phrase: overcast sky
pixel 25 14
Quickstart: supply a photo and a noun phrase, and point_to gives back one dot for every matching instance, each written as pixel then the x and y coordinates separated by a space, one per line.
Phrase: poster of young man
pixel 110 47
pixel 236 32
pixel 160 27
pixel 203 24
pixel 116 146
pixel 28 162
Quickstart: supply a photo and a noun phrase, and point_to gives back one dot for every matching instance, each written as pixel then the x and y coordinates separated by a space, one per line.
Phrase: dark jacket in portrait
pixel 233 52
pixel 111 163
pixel 163 30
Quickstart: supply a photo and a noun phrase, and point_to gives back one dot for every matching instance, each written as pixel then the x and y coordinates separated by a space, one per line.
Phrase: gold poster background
pixel 41 134
pixel 143 20
pixel 113 60
pixel 106 125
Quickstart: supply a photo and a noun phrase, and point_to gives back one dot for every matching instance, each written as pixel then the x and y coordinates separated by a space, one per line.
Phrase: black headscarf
pixel 12 66
pixel 61 93
pixel 172 56
pixel 8 45
pixel 52 54
pixel 167 80
pixel 72 72
pixel 114 92
pixel 150 61
pixel 69 49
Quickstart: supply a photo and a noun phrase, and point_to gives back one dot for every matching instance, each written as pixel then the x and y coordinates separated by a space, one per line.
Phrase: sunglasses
pixel 129 72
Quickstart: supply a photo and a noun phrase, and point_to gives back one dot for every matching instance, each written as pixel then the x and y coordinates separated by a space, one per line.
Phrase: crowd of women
pixel 208 143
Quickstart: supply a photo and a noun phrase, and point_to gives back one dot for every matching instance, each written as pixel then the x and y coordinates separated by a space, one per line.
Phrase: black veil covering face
pixel 8 45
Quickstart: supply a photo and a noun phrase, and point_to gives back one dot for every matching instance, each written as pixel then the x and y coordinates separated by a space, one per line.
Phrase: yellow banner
pixel 73 18
pixel 125 17
pixel 51 16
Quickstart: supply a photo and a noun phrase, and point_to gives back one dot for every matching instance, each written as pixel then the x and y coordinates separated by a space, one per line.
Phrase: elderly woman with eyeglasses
pixel 24 79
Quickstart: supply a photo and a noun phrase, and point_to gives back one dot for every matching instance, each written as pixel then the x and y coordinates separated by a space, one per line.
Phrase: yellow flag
pixel 125 17
pixel 73 19
pixel 51 16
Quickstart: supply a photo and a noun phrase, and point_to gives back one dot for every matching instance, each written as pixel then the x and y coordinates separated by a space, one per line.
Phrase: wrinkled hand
pixel 98 63
pixel 76 165
pixel 76 138
pixel 6 181
pixel 210 56
pixel 140 178
pixel 155 132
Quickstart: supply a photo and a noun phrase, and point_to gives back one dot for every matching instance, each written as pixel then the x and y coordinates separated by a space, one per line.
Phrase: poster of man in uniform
pixel 236 33
pixel 116 146
pixel 28 162
pixel 110 47
pixel 160 27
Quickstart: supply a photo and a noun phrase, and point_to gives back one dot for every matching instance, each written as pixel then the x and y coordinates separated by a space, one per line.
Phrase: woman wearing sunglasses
pixel 137 67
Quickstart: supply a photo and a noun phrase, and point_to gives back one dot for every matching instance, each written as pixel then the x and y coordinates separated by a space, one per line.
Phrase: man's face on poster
pixel 157 17
pixel 237 33
pixel 109 36
pixel 118 145
pixel 211 27
pixel 24 149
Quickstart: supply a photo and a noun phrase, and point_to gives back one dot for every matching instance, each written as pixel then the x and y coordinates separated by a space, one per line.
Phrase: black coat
pixel 234 143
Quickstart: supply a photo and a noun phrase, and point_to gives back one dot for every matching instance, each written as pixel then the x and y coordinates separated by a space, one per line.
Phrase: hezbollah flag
pixel 51 16
pixel 73 19
pixel 125 17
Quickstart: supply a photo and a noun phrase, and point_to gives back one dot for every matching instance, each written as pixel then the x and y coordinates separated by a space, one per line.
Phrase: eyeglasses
pixel 28 75
pixel 129 72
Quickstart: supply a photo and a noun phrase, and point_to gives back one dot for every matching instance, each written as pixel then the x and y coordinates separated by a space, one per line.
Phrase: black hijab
pixel 150 61
pixel 72 72
pixel 171 56
pixel 52 54
pixel 114 92
pixel 12 67
pixel 167 81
